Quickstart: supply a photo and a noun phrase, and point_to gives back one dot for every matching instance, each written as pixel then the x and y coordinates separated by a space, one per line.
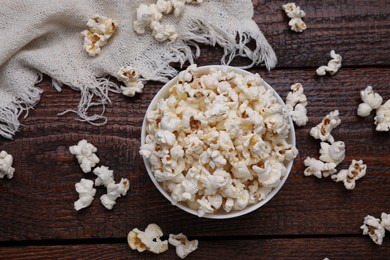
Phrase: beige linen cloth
pixel 40 36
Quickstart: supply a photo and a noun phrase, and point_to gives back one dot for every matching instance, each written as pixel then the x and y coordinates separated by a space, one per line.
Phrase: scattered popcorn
pixel 374 229
pixel 149 240
pixel 371 100
pixel 295 14
pixel 130 77
pixel 85 154
pixel 349 177
pixel 385 221
pixel 182 244
pixel 318 168
pixel 333 65
pixel 296 103
pixel 382 118
pixel 6 169
pixel 86 194
pixel 105 176
pixel 218 142
pixel 114 191
pixel 149 16
pixel 323 130
pixel 100 30
pixel 332 153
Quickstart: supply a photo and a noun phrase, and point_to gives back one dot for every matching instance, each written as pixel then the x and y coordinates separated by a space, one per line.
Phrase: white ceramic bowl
pixel 163 93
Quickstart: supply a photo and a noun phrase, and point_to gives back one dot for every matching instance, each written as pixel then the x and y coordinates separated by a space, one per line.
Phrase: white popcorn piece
pixel 114 191
pixel 100 30
pixel 86 194
pixel 182 244
pixel 318 169
pixel 130 77
pixel 85 154
pixel 163 33
pixel 356 171
pixel 178 6
pixel 371 100
pixel 374 229
pixel 164 6
pixel 105 176
pixel 216 135
pixel 150 239
pixel 323 130
pixel 296 103
pixel 6 169
pixel 332 153
pixel 385 221
pixel 144 18
pixel 295 14
pixel 333 65
pixel 382 118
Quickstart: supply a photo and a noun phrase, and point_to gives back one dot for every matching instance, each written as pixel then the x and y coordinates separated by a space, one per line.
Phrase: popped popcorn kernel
pixel 295 14
pixel 333 65
pixel 150 239
pixel 374 229
pixel 6 168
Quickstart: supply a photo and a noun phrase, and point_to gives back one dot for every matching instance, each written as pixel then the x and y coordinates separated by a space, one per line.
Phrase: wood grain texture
pixel 38 202
pixel 294 249
pixel 358 30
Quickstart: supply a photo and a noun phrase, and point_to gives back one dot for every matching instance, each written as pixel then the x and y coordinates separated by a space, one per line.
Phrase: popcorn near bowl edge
pixel 220 143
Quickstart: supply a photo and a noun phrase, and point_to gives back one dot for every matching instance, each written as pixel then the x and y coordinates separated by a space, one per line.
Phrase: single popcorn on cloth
pixel 100 30
pixel 85 154
pixel 219 141
pixel 131 78
pixel 295 14
pixel 371 100
pixel 323 130
pixel 86 194
pixel 356 171
pixel 6 169
pixel 296 103
pixel 182 244
pixel 150 239
pixel 382 118
pixel 374 229
pixel 333 65
pixel 114 191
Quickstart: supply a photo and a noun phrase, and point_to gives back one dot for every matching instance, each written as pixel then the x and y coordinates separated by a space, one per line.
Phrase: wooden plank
pixel 358 30
pixel 38 202
pixel 297 248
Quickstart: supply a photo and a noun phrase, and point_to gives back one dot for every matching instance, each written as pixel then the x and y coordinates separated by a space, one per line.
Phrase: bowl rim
pixel 232 214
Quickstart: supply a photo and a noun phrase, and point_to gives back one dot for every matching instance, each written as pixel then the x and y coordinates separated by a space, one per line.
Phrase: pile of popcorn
pixel 375 227
pixel 218 141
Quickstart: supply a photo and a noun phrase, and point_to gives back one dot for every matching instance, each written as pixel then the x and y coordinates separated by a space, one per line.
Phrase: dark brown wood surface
pixel 308 219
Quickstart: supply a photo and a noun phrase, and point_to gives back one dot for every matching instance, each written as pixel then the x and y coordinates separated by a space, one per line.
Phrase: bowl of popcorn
pixel 217 141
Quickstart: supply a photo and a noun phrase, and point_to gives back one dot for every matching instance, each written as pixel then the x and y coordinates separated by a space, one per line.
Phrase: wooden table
pixel 309 218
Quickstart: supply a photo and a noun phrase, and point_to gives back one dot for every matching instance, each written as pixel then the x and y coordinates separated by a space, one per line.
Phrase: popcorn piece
pixel 178 6
pixel 149 240
pixel 105 176
pixel 333 65
pixel 296 103
pixel 332 153
pixel 371 100
pixel 349 177
pixel 114 191
pixel 144 18
pixel 163 32
pixel 130 77
pixel 382 118
pixel 318 168
pixel 385 221
pixel 86 194
pixel 296 14
pixel 85 154
pixel 100 30
pixel 374 229
pixel 182 244
pixel 164 6
pixel 6 168
pixel 323 130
